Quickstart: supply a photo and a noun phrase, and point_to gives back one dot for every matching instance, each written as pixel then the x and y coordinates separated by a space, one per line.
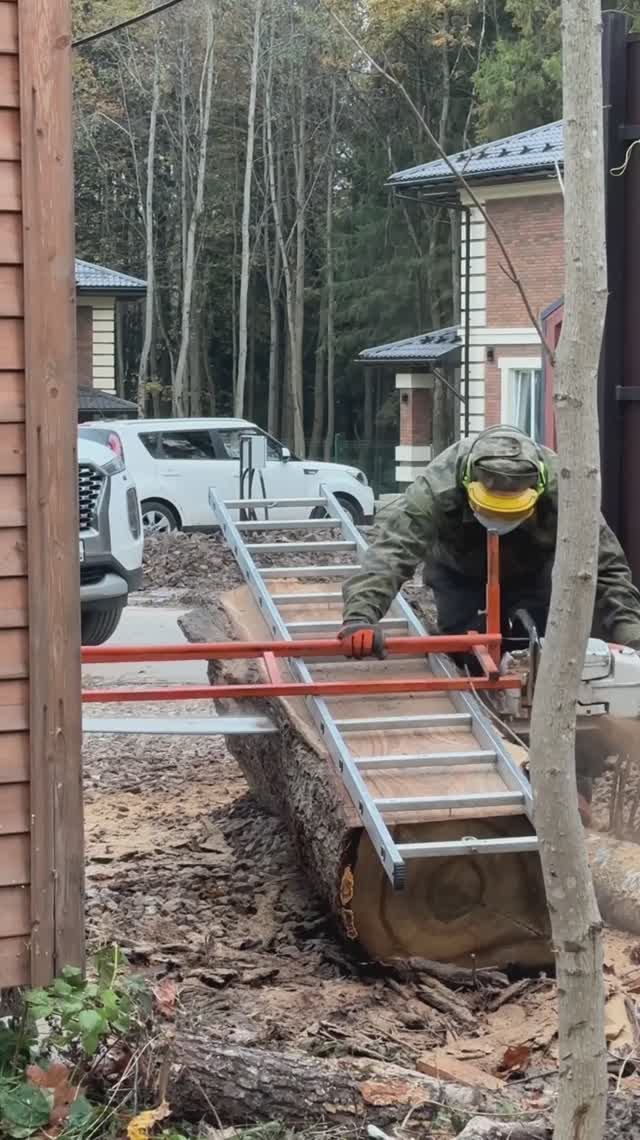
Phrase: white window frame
pixel 508 364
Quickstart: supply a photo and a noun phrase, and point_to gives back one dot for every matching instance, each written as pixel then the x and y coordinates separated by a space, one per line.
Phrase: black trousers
pixel 461 605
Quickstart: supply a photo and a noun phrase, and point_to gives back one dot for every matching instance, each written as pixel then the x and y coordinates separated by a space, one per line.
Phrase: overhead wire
pixel 125 23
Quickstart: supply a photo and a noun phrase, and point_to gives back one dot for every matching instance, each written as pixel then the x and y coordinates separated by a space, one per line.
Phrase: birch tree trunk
pixel 180 400
pixel 575 920
pixel 292 324
pixel 299 130
pixel 273 273
pixel 331 298
pixel 246 218
pixel 149 305
pixel 315 443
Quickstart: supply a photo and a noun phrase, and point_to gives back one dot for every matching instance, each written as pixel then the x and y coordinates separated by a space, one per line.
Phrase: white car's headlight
pixel 362 478
pixel 113 466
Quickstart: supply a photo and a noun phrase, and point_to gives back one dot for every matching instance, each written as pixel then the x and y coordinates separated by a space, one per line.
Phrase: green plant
pixel 45 1053
pixel 82 1012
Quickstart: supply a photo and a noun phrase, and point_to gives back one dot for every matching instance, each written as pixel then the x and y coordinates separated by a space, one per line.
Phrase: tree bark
pixel 576 923
pixel 246 218
pixel 180 397
pixel 149 236
pixel 248 1085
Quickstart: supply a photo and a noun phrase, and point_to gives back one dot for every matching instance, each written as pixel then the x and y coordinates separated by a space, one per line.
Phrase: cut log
pixel 251 1085
pixel 615 866
pixel 465 910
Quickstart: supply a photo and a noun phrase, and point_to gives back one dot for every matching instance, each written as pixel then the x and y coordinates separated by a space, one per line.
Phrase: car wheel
pixel 348 505
pixel 158 518
pixel 97 626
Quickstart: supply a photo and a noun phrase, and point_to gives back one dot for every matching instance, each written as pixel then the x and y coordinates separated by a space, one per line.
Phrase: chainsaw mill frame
pixel 486 647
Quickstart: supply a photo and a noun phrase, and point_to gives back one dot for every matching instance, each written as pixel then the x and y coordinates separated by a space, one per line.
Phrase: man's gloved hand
pixel 362 639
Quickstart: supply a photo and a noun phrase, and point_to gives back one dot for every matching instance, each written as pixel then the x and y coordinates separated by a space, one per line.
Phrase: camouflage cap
pixel 504 459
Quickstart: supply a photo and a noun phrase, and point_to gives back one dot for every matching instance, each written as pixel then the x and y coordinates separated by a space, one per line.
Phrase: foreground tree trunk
pixel 575 921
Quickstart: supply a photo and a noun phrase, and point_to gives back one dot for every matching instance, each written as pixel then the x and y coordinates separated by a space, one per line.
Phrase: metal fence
pixel 377 460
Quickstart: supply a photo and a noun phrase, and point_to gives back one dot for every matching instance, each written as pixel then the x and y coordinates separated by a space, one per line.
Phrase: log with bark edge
pixel 245 1085
pixel 486 910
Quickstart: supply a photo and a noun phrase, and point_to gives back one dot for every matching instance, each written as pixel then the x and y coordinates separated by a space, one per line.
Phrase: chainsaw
pixel 610 684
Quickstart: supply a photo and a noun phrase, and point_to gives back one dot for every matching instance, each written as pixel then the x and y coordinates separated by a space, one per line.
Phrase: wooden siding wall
pixel 40 804
pixel 15 903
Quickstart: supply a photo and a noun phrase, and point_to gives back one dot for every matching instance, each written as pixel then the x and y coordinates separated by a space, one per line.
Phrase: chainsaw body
pixel 610 683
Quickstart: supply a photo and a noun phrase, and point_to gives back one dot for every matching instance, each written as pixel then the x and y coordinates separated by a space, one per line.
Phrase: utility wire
pixel 125 23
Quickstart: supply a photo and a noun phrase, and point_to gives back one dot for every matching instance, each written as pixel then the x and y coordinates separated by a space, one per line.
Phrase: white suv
pixel 111 539
pixel 175 462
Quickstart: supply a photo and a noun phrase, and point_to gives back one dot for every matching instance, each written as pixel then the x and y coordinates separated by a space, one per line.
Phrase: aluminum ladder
pixel 489 750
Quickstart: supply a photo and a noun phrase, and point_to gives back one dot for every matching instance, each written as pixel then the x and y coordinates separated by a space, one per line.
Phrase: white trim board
pixel 515 336
pixel 535 189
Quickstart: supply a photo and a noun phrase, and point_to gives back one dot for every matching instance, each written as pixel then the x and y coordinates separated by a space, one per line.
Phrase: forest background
pixel 234 153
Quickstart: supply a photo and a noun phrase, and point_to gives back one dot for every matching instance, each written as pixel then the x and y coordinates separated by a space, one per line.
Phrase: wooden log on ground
pixel 466 910
pixel 246 1085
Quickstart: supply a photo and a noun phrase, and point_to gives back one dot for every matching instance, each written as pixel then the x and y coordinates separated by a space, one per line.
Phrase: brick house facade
pixel 518 182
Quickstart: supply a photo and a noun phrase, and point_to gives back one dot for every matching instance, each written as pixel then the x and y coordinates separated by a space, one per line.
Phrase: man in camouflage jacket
pixel 502 481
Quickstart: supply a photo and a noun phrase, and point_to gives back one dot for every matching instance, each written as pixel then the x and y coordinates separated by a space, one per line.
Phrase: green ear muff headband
pixel 541 485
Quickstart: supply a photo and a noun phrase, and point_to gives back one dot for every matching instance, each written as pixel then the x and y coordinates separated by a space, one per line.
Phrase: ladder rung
pixel 178 726
pixel 299 599
pixel 312 547
pixel 430 803
pixel 343 570
pixel 425 760
pixel 336 623
pixel 468 845
pixel 289 524
pixel 236 504
pixel 427 720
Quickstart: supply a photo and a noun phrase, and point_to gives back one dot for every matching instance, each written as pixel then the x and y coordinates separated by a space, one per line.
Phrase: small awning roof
pixel 96 400
pixel 442 346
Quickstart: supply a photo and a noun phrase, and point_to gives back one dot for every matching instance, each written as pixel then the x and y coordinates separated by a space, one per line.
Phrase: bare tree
pixel 331 291
pixel 575 921
pixel 147 212
pixel 246 217
pixel 190 260
pixel 294 351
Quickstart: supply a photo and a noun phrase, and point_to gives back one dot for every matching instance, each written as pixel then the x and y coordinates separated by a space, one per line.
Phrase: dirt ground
pixel 201 889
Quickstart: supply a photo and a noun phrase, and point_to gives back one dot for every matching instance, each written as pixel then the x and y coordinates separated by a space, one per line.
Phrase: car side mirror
pixel 285 455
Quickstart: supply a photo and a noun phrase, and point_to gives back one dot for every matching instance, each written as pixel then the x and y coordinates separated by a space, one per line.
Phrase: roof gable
pixel 97 278
pixel 525 155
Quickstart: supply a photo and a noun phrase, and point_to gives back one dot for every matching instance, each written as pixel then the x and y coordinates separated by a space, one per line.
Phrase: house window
pixel 523 396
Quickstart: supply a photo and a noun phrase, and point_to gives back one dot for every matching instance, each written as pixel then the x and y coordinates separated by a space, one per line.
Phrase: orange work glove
pixel 361 639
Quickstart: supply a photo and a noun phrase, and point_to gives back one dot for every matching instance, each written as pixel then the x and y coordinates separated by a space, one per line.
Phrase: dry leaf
pixel 141 1125
pixel 515 1059
pixel 166 994
pixel 618 1027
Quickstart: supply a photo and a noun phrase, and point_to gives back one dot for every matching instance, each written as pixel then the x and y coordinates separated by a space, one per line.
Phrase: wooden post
pixel 44 28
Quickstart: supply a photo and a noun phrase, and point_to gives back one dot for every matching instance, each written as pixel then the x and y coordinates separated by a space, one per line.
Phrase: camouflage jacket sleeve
pixel 393 556
pixel 617 599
